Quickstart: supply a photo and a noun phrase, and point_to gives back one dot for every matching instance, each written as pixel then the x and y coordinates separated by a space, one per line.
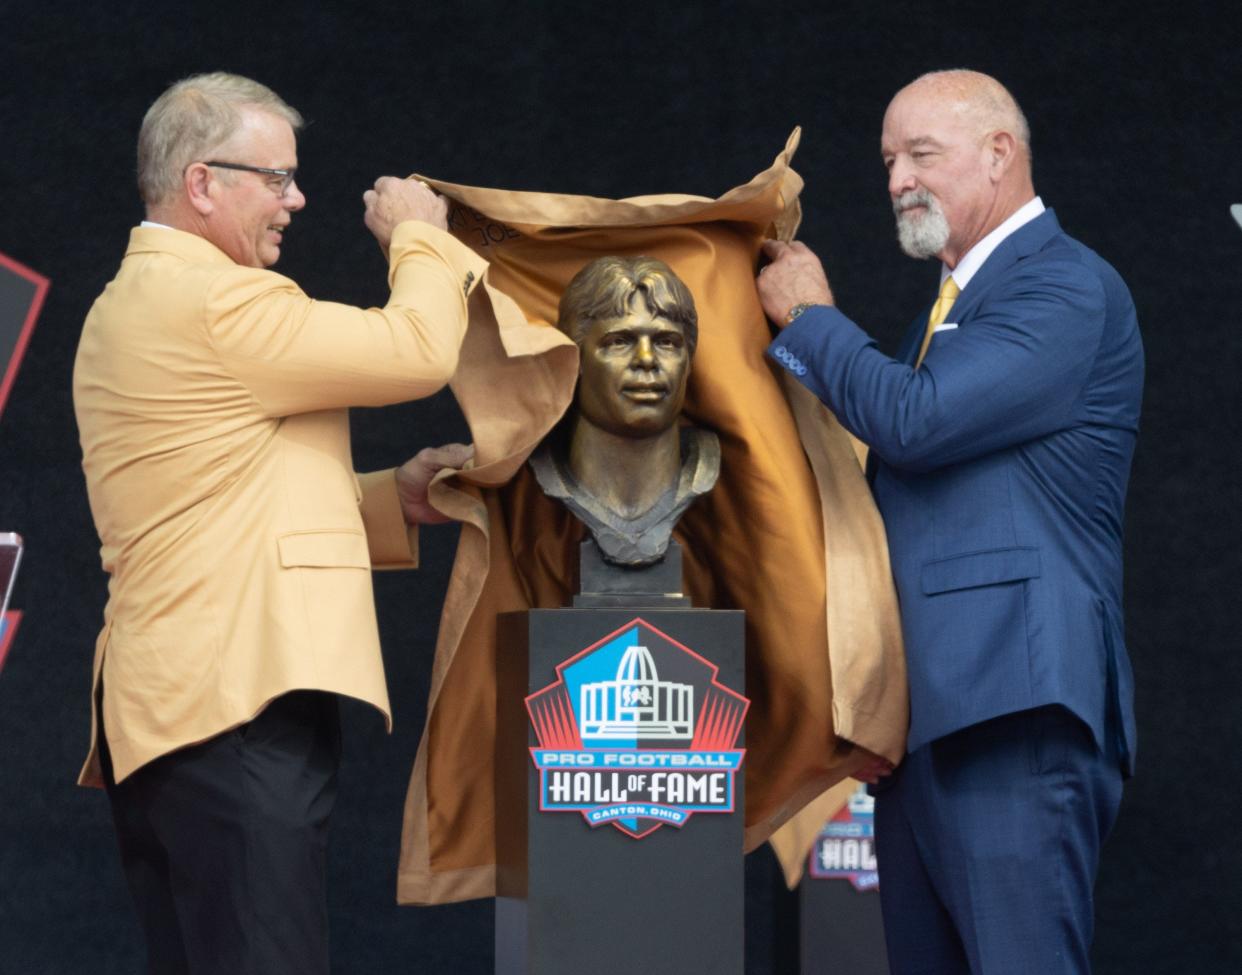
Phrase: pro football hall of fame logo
pixel 636 731
pixel 845 847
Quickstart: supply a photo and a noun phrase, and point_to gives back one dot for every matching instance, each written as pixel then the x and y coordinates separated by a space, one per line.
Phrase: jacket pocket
pixel 343 548
pixel 980 569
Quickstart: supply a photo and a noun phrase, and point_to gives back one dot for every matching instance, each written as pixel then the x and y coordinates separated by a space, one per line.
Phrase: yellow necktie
pixel 940 311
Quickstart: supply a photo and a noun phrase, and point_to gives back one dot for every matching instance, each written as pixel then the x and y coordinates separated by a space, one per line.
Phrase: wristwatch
pixel 797 310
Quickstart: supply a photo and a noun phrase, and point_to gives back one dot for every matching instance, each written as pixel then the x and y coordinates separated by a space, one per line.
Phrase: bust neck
pixel 626 474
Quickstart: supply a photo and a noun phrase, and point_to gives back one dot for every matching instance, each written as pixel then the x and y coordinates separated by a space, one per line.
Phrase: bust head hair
pixel 606 287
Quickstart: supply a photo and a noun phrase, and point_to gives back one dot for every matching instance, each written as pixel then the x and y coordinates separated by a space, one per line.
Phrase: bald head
pixel 957 149
pixel 981 101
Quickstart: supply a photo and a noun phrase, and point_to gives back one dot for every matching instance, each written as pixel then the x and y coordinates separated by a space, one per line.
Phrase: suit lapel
pixel 1023 242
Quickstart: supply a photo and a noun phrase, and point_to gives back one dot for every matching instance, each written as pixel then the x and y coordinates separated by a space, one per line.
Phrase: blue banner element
pixel 633 758
pixel 636 810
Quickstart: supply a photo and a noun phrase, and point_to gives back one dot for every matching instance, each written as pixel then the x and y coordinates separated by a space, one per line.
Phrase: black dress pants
pixel 223 844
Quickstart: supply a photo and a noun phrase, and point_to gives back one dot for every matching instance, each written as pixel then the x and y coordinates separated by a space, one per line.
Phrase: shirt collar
pixel 151 237
pixel 974 258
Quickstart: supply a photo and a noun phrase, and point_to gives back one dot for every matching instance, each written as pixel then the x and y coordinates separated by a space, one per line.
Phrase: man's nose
pixel 644 353
pixel 295 199
pixel 901 180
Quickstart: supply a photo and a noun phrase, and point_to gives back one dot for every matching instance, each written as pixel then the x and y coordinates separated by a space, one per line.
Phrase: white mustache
pixel 914 198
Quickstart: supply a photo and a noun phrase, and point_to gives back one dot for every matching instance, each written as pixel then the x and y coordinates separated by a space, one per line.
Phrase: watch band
pixel 797 310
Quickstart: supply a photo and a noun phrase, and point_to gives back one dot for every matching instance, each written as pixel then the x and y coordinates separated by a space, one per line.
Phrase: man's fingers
pixel 454 455
pixel 393 200
pixel 414 477
pixel 774 248
pixel 872 767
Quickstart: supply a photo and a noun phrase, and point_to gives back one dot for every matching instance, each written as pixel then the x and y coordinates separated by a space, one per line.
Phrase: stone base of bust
pixel 655 585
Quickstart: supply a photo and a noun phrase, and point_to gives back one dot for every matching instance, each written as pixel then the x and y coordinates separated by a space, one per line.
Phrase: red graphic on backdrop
pixel 21 298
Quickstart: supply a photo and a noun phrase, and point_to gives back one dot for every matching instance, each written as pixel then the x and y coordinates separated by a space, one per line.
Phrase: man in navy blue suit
pixel 1000 444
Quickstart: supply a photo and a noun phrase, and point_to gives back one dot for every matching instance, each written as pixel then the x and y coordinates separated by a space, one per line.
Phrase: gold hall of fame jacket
pixel 211 403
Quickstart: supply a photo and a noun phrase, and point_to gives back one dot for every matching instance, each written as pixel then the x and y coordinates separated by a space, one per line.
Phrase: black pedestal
pixel 842 931
pixel 657 894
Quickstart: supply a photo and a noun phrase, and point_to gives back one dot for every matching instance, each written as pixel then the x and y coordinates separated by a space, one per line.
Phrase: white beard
pixel 921 236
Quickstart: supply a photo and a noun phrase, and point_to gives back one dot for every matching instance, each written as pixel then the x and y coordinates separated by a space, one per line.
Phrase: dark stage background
pixel 1137 137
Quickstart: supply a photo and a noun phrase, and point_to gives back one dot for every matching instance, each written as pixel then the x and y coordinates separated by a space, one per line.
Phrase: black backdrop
pixel 1137 131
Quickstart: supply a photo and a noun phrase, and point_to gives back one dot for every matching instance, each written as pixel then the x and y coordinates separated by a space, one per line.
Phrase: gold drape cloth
pixel 792 843
pixel 789 534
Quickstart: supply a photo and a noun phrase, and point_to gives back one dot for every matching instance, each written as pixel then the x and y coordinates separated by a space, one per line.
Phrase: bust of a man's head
pixel 628 467
pixel 635 325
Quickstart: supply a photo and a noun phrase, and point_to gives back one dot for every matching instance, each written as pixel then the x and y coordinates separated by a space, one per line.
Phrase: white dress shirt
pixel 974 258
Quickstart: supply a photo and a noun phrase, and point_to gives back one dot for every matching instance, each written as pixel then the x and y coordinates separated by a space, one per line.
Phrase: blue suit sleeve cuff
pixel 786 358
pixel 794 334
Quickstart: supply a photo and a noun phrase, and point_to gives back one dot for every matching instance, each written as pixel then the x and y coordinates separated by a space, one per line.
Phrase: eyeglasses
pixel 287 176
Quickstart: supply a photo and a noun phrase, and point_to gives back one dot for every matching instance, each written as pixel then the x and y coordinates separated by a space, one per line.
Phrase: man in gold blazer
pixel 211 398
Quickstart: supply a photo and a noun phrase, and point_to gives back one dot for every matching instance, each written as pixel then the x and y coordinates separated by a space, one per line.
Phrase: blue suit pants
pixel 988 842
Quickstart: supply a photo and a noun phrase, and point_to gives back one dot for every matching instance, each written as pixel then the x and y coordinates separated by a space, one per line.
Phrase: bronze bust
pixel 623 464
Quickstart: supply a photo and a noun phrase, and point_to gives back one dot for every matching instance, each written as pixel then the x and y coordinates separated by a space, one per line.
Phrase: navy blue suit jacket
pixel 1000 470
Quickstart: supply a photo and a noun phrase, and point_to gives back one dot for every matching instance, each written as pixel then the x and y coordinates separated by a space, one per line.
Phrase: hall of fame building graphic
pixel 637 732
pixel 845 847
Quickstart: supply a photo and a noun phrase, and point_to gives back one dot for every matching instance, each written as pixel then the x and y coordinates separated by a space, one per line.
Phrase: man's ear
pixel 198 181
pixel 1002 150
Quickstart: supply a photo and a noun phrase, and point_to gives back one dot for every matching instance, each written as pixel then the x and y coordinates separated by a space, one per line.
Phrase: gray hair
pixel 605 287
pixel 193 117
